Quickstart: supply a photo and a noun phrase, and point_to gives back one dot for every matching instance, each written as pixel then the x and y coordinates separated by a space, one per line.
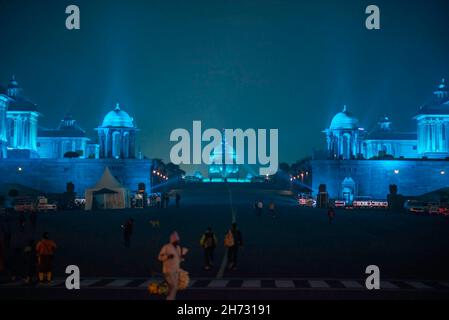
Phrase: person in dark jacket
pixel 29 257
pixel 208 242
pixel 237 242
pixel 128 229
pixel 178 200
pixel 331 214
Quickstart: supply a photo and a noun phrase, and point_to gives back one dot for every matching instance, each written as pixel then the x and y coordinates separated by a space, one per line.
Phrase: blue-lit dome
pixel 118 118
pixel 344 120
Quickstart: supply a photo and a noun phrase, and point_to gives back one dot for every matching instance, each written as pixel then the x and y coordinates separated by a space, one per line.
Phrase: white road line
pixel 88 282
pixel 318 284
pixel 284 284
pixel 146 283
pixel 118 283
pixel 57 283
pixel 218 283
pixel 251 284
pixel 388 285
pixel 418 285
pixel 351 284
pixel 191 283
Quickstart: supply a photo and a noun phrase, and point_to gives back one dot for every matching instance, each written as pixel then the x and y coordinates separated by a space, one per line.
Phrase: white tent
pixel 108 193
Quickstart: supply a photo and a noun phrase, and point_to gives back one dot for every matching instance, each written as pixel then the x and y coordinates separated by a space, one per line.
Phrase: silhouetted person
pixel 178 200
pixel 22 221
pixel 33 218
pixel 233 241
pixel 331 214
pixel 208 242
pixel 166 200
pixel 128 229
pixel 272 209
pixel 29 258
pixel 45 250
pixel 7 235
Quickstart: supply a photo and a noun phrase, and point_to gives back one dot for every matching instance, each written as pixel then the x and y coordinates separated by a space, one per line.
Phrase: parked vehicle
pixel 433 208
pixel 414 206
pixel 339 204
pixel 44 206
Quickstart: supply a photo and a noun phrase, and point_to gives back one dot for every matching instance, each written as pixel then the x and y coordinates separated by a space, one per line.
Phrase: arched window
pixel 116 144
pixel 126 145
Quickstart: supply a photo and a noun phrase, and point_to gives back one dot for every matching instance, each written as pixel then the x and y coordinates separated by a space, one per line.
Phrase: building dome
pixel 118 118
pixel 344 120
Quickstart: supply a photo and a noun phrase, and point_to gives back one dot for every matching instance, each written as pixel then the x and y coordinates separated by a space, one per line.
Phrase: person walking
pixel 128 229
pixel 331 214
pixel 178 199
pixel 45 250
pixel 33 218
pixel 2 255
pixel 166 200
pixel 171 256
pixel 208 242
pixel 233 241
pixel 259 207
pixel 7 234
pixel 272 209
pixel 29 253
pixel 22 221
pixel 158 201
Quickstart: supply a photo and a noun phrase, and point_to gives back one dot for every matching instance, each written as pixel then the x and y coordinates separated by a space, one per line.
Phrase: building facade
pixel 47 159
pixel 365 164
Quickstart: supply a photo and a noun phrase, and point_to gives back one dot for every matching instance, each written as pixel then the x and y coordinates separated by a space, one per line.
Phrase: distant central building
pixel 117 135
pixel 219 169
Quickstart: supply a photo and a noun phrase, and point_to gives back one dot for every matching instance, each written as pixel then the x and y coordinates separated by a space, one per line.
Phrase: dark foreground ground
pixel 298 244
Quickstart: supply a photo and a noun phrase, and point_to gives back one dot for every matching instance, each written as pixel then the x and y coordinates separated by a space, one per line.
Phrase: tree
pixel 284 167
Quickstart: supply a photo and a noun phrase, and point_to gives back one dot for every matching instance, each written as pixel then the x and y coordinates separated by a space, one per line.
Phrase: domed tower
pixel 117 135
pixel 4 99
pixel 433 124
pixel 22 120
pixel 343 136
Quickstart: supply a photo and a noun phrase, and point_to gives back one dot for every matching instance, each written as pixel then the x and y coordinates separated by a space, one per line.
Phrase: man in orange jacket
pixel 45 250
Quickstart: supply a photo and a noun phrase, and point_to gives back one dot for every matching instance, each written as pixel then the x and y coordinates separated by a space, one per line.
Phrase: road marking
pixel 388 285
pixel 146 283
pixel 218 283
pixel 191 283
pixel 251 284
pixel 88 282
pixel 118 283
pixel 351 284
pixel 55 283
pixel 284 284
pixel 318 284
pixel 418 285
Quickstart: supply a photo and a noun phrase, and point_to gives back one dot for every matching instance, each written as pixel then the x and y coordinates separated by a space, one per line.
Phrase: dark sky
pixel 251 64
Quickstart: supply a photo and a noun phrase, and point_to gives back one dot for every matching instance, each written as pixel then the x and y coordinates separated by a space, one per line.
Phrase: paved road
pixel 297 244
pixel 231 289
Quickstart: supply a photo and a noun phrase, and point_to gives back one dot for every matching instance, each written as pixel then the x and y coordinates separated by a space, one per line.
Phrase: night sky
pixel 250 64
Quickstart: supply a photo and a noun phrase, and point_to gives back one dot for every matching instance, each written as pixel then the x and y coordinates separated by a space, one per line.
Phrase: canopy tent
pixel 108 193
